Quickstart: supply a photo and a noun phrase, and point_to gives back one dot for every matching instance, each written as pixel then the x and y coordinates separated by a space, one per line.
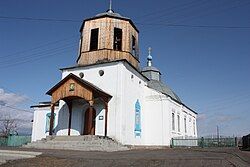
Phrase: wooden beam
pixel 105 102
pixel 52 119
pixel 69 103
pixel 91 125
pixel 106 119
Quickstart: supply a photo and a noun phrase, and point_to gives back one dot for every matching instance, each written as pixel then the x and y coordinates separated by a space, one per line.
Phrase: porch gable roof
pixel 90 88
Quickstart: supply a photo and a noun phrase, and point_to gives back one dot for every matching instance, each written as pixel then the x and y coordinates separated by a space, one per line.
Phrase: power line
pixel 38 19
pixel 16 93
pixel 39 53
pixel 35 59
pixel 183 25
pixel 195 26
pixel 218 108
pixel 40 46
pixel 226 6
pixel 214 11
pixel 193 8
pixel 141 23
pixel 182 9
pixel 167 11
pixel 36 54
pixel 228 100
pixel 18 109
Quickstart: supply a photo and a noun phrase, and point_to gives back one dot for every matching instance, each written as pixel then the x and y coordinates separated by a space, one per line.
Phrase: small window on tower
pixel 94 39
pixel 117 39
pixel 133 45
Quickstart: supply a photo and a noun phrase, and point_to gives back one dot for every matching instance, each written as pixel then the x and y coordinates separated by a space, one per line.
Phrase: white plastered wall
pixel 183 112
pixel 39 122
pixel 156 108
pixel 110 83
pixel 124 90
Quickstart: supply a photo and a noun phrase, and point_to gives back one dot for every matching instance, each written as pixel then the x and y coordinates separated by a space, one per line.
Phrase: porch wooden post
pixel 91 124
pixel 91 118
pixel 106 119
pixel 52 119
pixel 70 116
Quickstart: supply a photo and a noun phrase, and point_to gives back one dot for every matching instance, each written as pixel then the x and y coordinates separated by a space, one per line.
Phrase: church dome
pixel 163 88
pixel 154 76
pixel 150 68
pixel 111 13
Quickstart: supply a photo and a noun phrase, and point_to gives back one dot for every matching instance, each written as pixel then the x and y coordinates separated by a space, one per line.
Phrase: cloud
pixel 202 117
pixel 22 118
pixel 11 98
pixel 207 123
pixel 226 118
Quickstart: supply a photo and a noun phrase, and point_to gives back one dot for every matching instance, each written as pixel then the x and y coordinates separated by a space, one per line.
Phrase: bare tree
pixel 8 127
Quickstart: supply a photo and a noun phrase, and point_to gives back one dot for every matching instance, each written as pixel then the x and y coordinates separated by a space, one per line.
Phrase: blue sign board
pixel 137 119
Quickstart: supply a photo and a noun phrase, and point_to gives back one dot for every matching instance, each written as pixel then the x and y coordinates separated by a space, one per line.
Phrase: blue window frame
pixel 48 115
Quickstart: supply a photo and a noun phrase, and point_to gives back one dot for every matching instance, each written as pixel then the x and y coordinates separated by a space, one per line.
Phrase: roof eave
pixel 115 17
pixel 181 104
pixel 120 60
pixel 86 83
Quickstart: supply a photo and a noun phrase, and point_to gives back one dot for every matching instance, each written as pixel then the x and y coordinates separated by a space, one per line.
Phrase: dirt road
pixel 154 158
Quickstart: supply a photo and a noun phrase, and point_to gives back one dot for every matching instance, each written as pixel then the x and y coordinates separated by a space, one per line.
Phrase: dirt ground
pixel 155 158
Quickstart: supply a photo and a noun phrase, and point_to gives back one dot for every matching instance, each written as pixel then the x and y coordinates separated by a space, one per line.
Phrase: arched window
pixel 178 122
pixel 194 127
pixel 173 122
pixel 185 124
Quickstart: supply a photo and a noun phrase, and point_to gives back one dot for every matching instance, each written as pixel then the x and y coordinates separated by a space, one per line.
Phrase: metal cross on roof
pixel 149 51
pixel 149 58
pixel 110 7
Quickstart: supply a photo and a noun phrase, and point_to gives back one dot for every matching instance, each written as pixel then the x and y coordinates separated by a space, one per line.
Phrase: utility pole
pixel 218 134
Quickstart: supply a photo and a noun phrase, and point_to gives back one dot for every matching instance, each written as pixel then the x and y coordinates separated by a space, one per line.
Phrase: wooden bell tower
pixel 108 37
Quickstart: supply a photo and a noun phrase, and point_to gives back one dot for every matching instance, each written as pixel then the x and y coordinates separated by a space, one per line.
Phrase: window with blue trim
pixel 48 115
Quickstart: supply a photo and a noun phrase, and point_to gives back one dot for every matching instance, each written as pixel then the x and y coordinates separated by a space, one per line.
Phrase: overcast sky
pixel 202 48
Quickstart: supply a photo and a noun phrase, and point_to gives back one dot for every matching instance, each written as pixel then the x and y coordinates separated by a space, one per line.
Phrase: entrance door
pixel 89 121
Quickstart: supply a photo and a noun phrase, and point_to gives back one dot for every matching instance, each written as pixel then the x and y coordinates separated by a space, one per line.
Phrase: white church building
pixel 108 94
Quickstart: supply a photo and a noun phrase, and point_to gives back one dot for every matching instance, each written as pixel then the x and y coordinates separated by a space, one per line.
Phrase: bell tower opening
pixel 117 39
pixel 134 46
pixel 94 39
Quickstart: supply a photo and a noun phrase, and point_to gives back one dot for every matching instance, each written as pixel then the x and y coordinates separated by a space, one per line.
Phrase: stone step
pixel 72 145
pixel 95 142
pixel 83 143
pixel 85 137
pixel 81 148
pixel 2 161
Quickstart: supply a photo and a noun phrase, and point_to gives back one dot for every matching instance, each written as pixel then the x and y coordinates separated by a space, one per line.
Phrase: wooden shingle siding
pixel 107 55
pixel 105 50
pixel 64 91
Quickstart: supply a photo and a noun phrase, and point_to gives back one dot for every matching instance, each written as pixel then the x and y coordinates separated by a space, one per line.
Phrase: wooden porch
pixel 71 88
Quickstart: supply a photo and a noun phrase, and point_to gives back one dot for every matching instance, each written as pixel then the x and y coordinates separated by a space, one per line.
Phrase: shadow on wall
pixel 100 118
pixel 77 122
pixel 62 123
